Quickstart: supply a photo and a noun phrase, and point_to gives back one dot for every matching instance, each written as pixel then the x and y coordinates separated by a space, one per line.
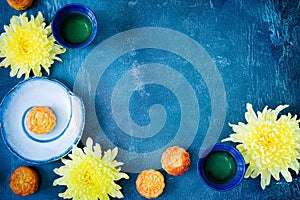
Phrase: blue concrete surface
pixel 173 72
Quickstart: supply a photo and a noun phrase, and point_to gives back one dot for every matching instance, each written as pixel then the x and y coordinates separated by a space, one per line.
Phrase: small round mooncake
pixel 24 181
pixel 175 160
pixel 20 4
pixel 150 183
pixel 40 120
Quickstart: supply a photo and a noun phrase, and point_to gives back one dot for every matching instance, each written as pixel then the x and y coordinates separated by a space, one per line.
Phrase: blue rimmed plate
pixel 41 91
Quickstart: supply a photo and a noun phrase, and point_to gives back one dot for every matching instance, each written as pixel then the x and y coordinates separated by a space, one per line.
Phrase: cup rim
pixel 239 173
pixel 67 10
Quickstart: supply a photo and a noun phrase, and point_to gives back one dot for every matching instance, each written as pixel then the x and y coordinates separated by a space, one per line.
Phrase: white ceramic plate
pixel 41 148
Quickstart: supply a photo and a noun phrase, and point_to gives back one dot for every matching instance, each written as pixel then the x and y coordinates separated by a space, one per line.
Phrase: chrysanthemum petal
pixel 107 155
pixel 263 183
pixel 59 181
pixel 233 138
pixel 295 166
pixel 249 171
pixel 89 144
pixel 250 116
pixel 117 194
pixel 66 195
pixel 13 72
pixel 97 150
pixel 255 173
pixel 286 175
pixel 275 174
pixel 6 28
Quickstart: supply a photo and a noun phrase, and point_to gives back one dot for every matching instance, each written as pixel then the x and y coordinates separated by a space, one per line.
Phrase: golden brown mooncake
pixel 20 4
pixel 40 120
pixel 175 160
pixel 150 183
pixel 24 181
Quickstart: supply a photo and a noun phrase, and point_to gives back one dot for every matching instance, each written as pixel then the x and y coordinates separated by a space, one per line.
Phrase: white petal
pixel 287 176
pixel 250 115
pixel 89 143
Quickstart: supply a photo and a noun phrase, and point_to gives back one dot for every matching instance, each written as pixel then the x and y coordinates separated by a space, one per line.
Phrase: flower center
pixel 270 142
pixel 86 174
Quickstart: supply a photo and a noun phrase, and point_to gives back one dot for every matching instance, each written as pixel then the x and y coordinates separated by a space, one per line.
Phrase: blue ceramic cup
pixel 222 168
pixel 74 26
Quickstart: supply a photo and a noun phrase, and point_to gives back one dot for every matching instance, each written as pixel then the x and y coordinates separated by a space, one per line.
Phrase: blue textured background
pixel 255 45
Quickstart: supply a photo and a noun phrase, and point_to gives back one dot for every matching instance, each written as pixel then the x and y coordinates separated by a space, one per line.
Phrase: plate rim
pixel 74 142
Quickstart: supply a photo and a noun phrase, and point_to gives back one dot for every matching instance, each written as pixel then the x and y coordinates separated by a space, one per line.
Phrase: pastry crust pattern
pixel 175 160
pixel 150 183
pixel 24 181
pixel 20 4
pixel 40 120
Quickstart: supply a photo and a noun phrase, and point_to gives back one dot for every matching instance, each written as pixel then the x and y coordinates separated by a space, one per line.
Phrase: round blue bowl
pixel 240 163
pixel 66 11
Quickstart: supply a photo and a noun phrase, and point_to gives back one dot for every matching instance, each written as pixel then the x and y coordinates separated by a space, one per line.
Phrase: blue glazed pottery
pixel 74 26
pixel 48 147
pixel 222 168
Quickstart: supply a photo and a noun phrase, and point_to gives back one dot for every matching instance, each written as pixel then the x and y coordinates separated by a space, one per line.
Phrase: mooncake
pixel 150 183
pixel 20 4
pixel 175 160
pixel 24 181
pixel 40 120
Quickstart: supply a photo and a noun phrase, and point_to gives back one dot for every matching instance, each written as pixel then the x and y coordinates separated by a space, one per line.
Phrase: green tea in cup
pixel 76 28
pixel 222 168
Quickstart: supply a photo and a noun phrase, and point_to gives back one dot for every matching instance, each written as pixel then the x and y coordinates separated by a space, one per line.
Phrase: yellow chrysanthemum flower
pixel 88 175
pixel 28 45
pixel 270 145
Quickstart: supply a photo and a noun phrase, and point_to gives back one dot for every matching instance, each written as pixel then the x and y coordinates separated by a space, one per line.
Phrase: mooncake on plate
pixel 40 120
